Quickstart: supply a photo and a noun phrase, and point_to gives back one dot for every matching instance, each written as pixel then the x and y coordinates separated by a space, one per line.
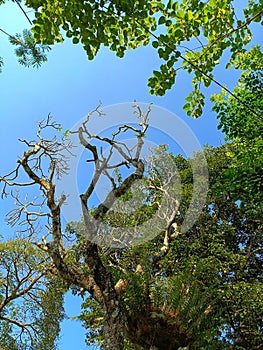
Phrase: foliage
pixel 93 24
pixel 244 128
pixel 31 300
pixel 188 34
pixel 191 35
pixel 207 290
pixel 28 52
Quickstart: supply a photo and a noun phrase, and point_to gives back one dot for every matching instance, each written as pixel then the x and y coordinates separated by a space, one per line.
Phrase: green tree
pixel 197 289
pixel 204 290
pixel 31 298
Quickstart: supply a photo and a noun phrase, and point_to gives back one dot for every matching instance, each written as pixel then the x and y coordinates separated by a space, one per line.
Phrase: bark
pixel 114 326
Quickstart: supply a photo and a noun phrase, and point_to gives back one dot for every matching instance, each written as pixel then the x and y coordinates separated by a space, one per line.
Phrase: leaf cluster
pixel 28 52
pixel 93 24
pixel 244 128
pixel 189 34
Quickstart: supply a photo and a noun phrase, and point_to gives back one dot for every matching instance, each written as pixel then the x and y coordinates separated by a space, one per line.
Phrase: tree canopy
pixel 205 290
pixel 31 299
pixel 190 35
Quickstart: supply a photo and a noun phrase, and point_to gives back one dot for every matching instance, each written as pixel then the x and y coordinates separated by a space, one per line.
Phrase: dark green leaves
pixel 75 40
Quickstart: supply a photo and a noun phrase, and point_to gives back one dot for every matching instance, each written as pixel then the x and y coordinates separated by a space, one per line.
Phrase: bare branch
pixel 43 160
pixel 25 14
pixel 15 293
pixel 23 326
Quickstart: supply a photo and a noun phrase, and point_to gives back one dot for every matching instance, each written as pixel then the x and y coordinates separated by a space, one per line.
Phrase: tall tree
pixel 197 289
pixel 90 274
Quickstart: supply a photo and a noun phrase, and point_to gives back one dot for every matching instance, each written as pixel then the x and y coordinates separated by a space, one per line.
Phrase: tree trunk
pixel 114 325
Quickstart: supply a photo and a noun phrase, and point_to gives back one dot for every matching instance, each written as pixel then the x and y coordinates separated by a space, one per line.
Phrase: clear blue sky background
pixel 68 86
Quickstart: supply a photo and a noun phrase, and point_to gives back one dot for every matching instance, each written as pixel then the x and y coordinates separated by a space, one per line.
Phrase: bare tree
pixel 45 160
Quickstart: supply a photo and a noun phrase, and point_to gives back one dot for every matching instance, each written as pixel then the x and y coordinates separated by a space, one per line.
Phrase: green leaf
pixel 190 15
pixel 186 107
pixel 161 20
pixel 155 44
pixel 75 40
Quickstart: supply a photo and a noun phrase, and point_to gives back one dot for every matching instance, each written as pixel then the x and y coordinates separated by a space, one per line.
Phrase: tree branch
pixel 21 8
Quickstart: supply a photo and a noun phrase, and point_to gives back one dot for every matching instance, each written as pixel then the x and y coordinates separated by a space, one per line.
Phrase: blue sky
pixel 68 86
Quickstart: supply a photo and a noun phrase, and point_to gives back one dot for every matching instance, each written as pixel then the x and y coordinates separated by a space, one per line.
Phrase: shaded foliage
pixel 207 291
